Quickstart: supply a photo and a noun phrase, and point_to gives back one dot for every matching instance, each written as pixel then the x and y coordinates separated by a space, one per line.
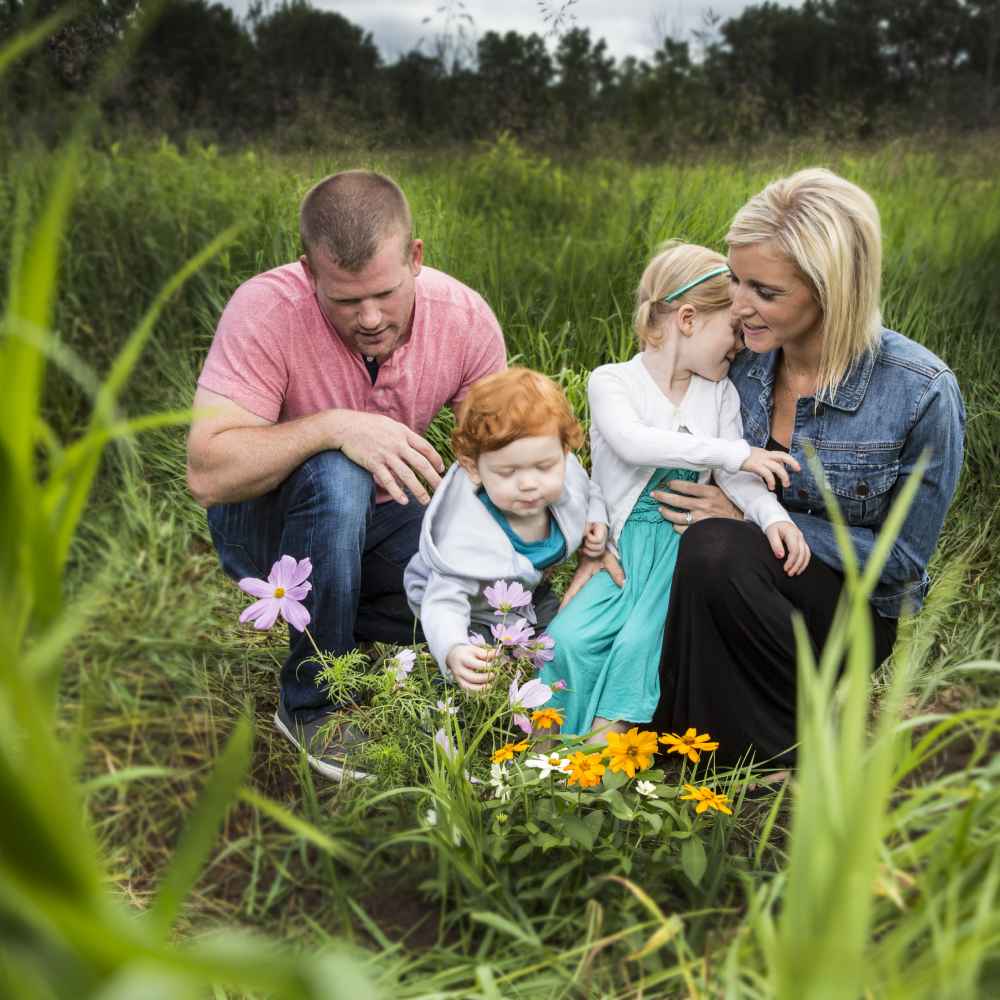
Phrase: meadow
pixel 876 874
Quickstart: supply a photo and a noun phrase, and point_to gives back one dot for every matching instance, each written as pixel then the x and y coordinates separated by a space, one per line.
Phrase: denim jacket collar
pixel 850 393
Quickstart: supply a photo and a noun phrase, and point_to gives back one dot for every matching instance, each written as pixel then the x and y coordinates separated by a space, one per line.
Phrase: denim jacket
pixel 895 402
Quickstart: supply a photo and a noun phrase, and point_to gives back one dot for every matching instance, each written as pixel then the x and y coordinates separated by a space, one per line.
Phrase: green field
pixel 878 875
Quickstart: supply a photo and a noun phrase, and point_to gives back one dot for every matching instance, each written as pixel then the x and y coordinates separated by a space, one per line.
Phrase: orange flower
pixel 585 769
pixel 691 745
pixel 546 718
pixel 630 752
pixel 707 799
pixel 507 751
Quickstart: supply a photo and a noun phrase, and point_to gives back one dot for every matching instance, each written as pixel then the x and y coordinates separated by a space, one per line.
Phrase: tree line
pixel 309 77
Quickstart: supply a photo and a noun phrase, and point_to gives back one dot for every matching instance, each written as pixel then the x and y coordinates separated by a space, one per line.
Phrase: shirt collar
pixel 851 391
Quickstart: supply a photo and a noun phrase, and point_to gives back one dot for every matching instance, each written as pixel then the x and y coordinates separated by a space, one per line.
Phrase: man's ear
pixel 471 469
pixel 304 261
pixel 416 257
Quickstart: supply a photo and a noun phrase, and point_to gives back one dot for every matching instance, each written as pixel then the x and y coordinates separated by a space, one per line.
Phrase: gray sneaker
pixel 326 753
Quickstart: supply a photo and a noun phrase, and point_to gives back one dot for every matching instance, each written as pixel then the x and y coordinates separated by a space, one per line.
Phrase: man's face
pixel 372 308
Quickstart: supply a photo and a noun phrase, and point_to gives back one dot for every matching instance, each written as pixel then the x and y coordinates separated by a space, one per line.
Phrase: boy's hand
pixel 595 539
pixel 770 465
pixel 786 537
pixel 469 666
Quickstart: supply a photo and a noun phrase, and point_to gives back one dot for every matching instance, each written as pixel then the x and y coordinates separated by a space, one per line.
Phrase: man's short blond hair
pixel 349 216
pixel 829 229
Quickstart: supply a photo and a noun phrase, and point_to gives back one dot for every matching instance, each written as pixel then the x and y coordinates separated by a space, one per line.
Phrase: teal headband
pixel 697 281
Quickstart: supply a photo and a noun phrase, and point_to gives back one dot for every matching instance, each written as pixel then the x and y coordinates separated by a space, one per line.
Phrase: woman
pixel 805 256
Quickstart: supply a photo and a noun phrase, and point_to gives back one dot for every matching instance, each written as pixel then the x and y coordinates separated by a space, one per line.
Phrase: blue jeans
pixel 326 511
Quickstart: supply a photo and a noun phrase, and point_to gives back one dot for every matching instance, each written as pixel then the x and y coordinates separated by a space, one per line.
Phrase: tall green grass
pixel 876 874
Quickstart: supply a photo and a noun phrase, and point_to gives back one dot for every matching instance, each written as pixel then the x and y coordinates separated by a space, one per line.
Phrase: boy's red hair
pixel 513 404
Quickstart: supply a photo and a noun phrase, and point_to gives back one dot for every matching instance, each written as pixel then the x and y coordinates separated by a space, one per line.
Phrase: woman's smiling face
pixel 772 302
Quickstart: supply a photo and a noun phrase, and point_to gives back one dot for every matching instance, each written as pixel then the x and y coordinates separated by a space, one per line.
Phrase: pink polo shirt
pixel 276 354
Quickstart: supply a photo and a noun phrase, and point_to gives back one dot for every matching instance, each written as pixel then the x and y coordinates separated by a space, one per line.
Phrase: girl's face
pixel 524 477
pixel 772 303
pixel 712 345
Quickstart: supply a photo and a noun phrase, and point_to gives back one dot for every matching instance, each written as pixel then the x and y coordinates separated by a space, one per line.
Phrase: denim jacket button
pixel 862 489
pixel 802 494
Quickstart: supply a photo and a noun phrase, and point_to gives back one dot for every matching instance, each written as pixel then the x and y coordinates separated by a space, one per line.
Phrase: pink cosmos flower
pixel 402 664
pixel 523 723
pixel 475 639
pixel 528 695
pixel 538 650
pixel 442 740
pixel 559 685
pixel 516 633
pixel 281 593
pixel 504 597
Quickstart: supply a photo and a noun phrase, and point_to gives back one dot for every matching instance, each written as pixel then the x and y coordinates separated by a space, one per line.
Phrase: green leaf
pixel 520 853
pixel 652 820
pixel 693 859
pixel 619 807
pixel 579 830
pixel 507 927
pixel 614 779
pixel 299 827
pixel 202 827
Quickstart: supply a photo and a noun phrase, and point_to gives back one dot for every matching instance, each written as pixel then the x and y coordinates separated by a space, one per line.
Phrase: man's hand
pixel 591 567
pixel 470 666
pixel 700 500
pixel 392 453
pixel 786 537
pixel 595 539
pixel 770 466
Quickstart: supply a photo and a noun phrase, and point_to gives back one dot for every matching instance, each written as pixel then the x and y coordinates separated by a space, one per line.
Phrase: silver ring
pixel 688 517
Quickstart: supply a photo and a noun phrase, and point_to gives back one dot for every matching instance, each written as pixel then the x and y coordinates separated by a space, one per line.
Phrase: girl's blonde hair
pixel 829 228
pixel 675 264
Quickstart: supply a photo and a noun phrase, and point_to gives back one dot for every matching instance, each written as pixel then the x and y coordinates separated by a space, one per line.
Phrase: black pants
pixel 728 663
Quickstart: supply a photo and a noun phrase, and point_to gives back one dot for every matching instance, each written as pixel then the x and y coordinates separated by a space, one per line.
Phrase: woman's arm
pixel 938 429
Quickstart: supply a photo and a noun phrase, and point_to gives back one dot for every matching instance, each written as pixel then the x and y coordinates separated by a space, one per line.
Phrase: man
pixel 320 381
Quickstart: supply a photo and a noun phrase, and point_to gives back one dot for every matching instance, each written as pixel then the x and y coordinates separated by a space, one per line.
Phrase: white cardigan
pixel 635 429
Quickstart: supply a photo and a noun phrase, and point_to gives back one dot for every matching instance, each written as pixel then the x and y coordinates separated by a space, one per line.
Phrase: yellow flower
pixel 706 799
pixel 507 751
pixel 691 745
pixel 546 718
pixel 585 769
pixel 630 752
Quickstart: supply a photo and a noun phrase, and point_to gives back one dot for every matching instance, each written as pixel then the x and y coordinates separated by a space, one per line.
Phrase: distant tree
pixel 515 73
pixel 198 59
pixel 305 53
pixel 586 75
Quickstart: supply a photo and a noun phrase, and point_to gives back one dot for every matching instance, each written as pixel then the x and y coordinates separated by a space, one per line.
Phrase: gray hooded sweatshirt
pixel 463 550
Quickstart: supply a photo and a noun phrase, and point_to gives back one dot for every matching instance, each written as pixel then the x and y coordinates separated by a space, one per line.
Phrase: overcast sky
pixel 630 27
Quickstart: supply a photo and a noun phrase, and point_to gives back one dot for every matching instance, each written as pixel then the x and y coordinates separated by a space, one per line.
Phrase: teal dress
pixel 608 638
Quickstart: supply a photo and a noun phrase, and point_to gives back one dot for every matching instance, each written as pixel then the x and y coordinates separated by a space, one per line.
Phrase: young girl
pixel 668 413
pixel 515 504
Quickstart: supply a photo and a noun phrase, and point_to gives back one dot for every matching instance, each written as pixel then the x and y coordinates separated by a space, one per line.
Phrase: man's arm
pixel 235 455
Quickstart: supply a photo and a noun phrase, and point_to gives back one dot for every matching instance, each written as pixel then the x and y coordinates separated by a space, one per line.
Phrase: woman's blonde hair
pixel 829 228
pixel 676 264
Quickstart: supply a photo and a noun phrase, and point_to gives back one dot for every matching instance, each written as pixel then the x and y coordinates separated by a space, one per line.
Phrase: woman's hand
pixel 696 502
pixel 770 466
pixel 786 537
pixel 591 567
